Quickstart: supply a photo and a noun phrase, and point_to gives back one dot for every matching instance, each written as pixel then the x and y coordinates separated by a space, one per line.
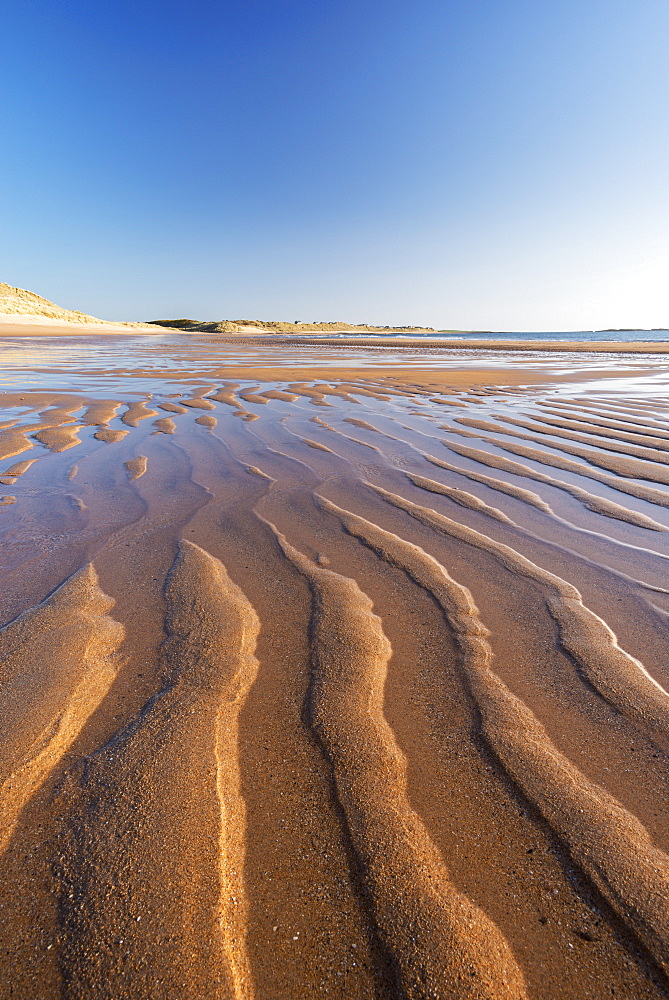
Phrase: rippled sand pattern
pixel 364 695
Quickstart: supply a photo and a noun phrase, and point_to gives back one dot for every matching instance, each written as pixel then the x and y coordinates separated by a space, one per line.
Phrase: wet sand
pixel 333 677
pixel 477 343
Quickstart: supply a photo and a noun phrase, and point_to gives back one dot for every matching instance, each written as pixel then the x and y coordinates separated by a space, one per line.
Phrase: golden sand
pixel 334 681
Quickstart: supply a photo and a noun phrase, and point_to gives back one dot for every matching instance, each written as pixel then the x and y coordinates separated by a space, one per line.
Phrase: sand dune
pixel 364 704
pixel 19 302
pixel 23 313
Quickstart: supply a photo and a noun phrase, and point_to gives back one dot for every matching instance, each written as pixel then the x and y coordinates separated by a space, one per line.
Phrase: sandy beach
pixel 332 671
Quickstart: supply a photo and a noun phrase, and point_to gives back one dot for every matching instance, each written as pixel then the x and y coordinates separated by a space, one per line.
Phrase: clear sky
pixel 467 164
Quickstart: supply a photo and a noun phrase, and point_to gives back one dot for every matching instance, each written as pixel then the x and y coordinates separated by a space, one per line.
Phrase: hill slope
pixel 19 302
pixel 264 326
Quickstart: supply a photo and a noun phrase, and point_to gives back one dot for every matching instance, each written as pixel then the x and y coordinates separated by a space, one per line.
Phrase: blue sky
pixel 475 164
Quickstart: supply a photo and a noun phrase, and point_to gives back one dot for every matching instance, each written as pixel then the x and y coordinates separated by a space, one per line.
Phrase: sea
pixel 576 336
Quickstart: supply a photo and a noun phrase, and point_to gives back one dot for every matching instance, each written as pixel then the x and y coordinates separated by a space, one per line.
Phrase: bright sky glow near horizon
pixel 464 165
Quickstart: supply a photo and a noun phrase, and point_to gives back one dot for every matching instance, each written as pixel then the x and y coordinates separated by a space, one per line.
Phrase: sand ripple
pixel 378 705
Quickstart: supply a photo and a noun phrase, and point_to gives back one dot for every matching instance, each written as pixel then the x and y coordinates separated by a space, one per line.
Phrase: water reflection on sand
pixel 89 363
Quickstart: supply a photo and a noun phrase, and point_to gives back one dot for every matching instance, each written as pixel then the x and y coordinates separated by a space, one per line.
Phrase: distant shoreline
pixel 591 346
pixel 33 327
